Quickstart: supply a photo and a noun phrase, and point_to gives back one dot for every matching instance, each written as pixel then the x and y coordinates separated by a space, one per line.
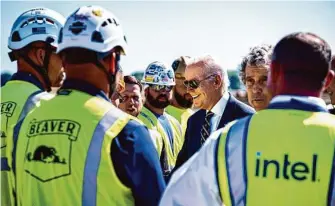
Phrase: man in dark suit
pixel 208 83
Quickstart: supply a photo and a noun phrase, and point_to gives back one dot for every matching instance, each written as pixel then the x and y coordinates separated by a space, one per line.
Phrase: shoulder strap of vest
pixel 111 124
pixel 148 115
pixel 175 122
pixel 235 153
pixel 31 102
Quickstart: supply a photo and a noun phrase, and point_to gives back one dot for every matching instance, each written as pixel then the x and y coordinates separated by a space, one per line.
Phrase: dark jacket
pixel 235 109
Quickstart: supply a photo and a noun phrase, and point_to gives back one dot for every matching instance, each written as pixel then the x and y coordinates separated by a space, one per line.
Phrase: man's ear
pixel 145 91
pixel 218 81
pixel 40 55
pixel 273 77
pixel 329 79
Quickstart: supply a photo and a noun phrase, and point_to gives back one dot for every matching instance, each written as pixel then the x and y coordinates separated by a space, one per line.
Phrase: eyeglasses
pixel 159 88
pixel 194 84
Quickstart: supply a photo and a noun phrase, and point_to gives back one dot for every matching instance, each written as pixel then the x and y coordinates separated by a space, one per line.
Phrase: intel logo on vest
pixel 287 169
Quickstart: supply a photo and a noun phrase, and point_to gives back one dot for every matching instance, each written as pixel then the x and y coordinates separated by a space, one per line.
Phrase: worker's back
pixel 63 155
pixel 286 158
pixel 14 96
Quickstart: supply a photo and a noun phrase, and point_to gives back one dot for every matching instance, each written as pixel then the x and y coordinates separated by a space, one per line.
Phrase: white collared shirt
pixel 218 110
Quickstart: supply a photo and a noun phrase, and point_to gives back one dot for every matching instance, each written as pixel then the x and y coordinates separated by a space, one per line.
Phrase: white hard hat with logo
pixel 158 73
pixel 38 24
pixel 93 28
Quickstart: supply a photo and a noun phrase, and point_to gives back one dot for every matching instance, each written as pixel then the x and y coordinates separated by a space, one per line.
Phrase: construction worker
pixel 78 148
pixel 181 102
pixel 283 155
pixel 158 82
pixel 131 98
pixel 33 43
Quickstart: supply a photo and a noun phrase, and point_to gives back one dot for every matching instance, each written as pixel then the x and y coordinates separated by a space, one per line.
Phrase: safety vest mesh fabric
pixel 151 121
pixel 63 153
pixel 286 161
pixel 182 115
pixel 14 95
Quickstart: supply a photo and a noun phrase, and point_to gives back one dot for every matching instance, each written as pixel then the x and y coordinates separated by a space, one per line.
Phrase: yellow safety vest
pixel 286 161
pixel 151 121
pixel 181 115
pixel 63 153
pixel 14 96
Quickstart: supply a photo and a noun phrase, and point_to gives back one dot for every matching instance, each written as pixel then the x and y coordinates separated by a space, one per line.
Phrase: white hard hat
pixel 38 24
pixel 93 28
pixel 159 73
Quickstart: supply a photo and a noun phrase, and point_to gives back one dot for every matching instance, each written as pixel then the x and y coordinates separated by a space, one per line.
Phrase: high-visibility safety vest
pixel 14 96
pixel 181 115
pixel 286 161
pixel 163 143
pixel 63 153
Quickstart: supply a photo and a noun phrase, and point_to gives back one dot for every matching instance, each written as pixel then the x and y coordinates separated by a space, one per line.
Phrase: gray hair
pixel 210 65
pixel 258 56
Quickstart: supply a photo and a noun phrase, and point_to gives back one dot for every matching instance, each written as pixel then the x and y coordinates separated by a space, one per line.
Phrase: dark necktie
pixel 206 127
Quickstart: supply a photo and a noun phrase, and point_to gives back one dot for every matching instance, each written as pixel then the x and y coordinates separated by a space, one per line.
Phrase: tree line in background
pixel 236 87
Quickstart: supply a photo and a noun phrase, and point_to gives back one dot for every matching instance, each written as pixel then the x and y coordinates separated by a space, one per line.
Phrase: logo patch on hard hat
pixel 49 148
pixel 97 12
pixel 37 11
pixel 80 17
pixel 39 30
pixel 77 27
pixel 149 78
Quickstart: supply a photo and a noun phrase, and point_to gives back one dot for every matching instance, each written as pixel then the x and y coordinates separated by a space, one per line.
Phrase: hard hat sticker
pixel 159 73
pixel 97 12
pixel 149 78
pixel 77 27
pixel 80 17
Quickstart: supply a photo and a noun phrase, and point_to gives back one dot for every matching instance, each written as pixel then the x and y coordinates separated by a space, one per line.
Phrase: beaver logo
pixel 45 154
pixel 7 111
pixel 49 148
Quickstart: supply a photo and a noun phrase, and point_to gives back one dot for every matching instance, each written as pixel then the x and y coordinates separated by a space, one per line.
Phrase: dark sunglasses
pixel 159 88
pixel 194 84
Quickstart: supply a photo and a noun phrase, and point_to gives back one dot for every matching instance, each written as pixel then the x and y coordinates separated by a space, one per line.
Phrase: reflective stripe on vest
pixel 236 160
pixel 33 99
pixel 4 164
pixel 331 190
pixel 30 103
pixel 151 121
pixel 93 158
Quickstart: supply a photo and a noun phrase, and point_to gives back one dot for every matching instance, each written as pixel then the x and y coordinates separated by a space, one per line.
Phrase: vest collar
pixel 27 77
pixel 83 87
pixel 312 104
